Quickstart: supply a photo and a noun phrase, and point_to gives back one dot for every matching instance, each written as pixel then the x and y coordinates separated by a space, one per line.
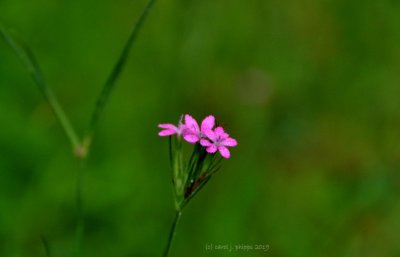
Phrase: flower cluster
pixel 189 175
pixel 213 139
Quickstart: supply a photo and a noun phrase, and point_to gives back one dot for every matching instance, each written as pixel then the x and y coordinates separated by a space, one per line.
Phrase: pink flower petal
pixel 208 123
pixel 191 124
pixel 167 126
pixel 166 132
pixel 191 138
pixel 205 142
pixel 211 149
pixel 210 134
pixel 224 152
pixel 229 142
pixel 219 131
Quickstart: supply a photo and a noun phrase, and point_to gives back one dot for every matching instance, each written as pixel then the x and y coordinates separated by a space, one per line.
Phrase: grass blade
pixel 27 58
pixel 114 75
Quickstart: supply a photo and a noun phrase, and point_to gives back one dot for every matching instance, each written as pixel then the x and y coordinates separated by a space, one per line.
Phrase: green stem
pixel 172 232
pixel 115 73
pixel 27 58
pixel 80 228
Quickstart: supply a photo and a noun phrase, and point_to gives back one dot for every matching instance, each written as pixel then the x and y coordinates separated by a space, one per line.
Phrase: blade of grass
pixel 114 75
pixel 29 61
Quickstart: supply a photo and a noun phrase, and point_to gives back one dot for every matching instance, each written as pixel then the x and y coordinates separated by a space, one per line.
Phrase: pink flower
pixel 193 133
pixel 220 141
pixel 170 129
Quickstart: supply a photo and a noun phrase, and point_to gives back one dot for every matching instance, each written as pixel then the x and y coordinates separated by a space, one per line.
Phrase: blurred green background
pixel 309 88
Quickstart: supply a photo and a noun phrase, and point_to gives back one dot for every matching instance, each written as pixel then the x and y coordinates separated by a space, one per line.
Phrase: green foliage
pixel 309 89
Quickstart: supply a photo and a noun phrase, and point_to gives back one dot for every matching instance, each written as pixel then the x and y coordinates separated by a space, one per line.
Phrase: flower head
pixel 218 140
pixel 212 139
pixel 190 175
pixel 193 133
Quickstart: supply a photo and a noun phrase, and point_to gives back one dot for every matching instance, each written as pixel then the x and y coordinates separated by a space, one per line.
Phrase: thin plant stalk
pixel 172 233
pixel 114 75
pixel 80 227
